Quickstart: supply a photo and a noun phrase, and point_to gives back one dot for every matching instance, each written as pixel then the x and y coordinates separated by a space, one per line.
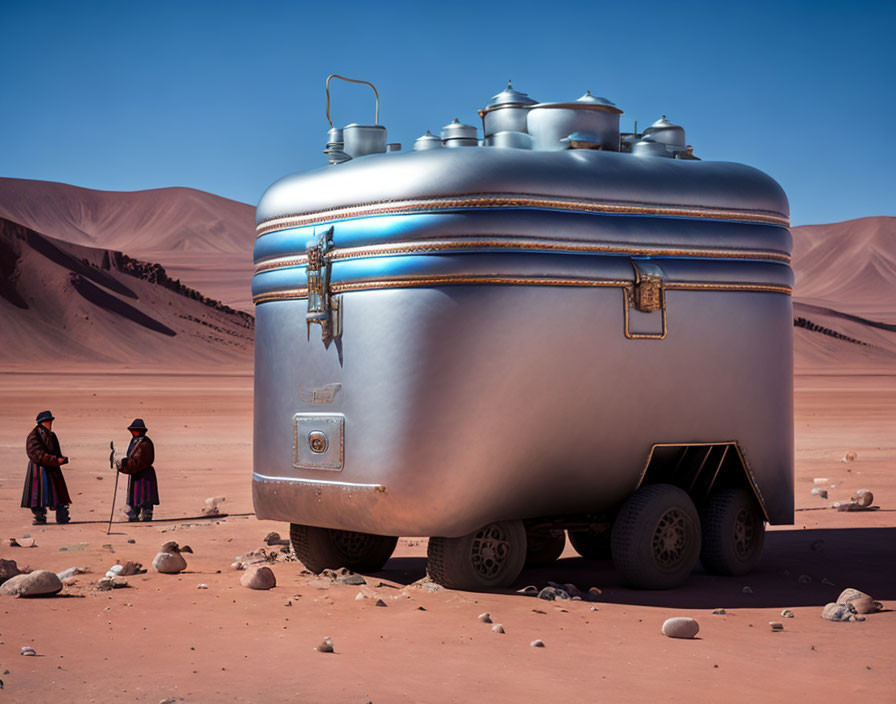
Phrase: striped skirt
pixel 143 488
pixel 44 488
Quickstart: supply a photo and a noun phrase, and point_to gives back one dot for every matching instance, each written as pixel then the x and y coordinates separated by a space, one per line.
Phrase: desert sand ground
pixel 164 638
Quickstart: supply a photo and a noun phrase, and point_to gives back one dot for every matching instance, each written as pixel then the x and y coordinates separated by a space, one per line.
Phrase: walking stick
pixel 115 491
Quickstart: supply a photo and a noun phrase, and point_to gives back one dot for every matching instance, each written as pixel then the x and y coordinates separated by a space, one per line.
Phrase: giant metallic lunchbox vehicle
pixel 557 330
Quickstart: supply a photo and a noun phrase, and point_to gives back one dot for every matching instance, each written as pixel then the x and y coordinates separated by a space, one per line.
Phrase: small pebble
pixel 828 583
pixel 776 625
pixel 132 541
pixel 485 617
pixel 719 612
pixel 326 646
pixel 202 586
pixel 380 602
pixel 536 643
pixel 28 651
pixel 804 579
pixel 288 603
pixel 823 493
pixel 594 608
pixel 498 628
pixel 747 590
pixel 787 613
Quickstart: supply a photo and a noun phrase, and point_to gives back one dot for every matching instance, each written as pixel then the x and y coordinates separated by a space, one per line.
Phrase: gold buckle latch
pixel 645 295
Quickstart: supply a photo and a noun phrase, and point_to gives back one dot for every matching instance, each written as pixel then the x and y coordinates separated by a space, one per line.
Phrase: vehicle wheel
pixel 656 538
pixel 733 533
pixel 322 548
pixel 491 557
pixel 544 547
pixel 591 546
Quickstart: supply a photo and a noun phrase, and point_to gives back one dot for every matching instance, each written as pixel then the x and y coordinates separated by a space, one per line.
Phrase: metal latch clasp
pixel 324 309
pixel 645 296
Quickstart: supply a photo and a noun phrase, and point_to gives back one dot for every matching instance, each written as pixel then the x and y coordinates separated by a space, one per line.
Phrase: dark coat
pixel 44 484
pixel 143 487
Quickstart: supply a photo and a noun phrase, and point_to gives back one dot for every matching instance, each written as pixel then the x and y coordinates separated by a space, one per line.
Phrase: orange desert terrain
pixel 90 328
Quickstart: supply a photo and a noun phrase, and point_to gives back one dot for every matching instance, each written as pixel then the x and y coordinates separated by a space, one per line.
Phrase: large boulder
pixel 860 602
pixel 37 583
pixel 169 562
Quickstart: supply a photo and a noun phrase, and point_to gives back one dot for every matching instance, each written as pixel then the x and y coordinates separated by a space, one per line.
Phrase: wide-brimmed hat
pixel 44 415
pixel 137 424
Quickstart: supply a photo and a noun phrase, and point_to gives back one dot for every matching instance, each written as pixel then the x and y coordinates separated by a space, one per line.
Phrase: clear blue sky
pixel 228 97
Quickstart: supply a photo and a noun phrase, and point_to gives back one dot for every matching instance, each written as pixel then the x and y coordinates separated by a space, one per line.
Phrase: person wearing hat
pixel 44 484
pixel 143 487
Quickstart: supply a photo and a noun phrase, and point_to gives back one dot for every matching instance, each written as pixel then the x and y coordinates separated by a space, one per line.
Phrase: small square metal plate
pixel 325 432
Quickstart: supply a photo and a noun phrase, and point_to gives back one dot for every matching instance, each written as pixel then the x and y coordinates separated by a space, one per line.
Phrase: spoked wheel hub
pixel 490 550
pixel 669 538
pixel 744 532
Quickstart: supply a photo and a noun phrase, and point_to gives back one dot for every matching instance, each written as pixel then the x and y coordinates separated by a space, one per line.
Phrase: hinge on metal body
pixel 324 309
pixel 646 295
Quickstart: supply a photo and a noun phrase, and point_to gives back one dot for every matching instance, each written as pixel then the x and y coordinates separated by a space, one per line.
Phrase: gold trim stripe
pixel 453 279
pixel 443 245
pixel 511 201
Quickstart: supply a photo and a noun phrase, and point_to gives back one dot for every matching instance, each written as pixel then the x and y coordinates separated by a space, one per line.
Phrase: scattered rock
pixel 850 457
pixel 776 625
pixel 326 646
pixel 8 569
pixel 169 562
pixel 538 611
pixel 273 538
pixel 863 498
pixel 131 541
pixel 186 548
pixel 115 570
pixel 360 596
pixel 680 627
pixel 37 583
pixel 238 565
pixel 821 480
pixel 107 584
pixel 202 586
pixel 485 617
pixel 787 613
pixel 551 593
pixel 354 580
pixel 595 592
pixel 572 590
pixel 537 643
pixel 71 572
pixel 427 585
pixel 719 612
pixel 838 612
pixel 747 590
pixel 531 590
pixel 826 582
pixel 593 608
pixel 823 493
pixel 380 602
pixel 259 578
pixel 211 507
pixel 498 628
pixel 860 602
pixel 804 579
pixel 28 651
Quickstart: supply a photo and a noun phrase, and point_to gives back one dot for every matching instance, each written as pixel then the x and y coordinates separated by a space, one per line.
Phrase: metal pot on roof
pixel 666 132
pixel 427 141
pixel 650 147
pixel 361 140
pixel 549 123
pixel 457 134
pixel 506 111
pixel 510 139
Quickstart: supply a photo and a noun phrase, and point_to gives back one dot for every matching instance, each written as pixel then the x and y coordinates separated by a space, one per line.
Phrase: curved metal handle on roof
pixel 352 80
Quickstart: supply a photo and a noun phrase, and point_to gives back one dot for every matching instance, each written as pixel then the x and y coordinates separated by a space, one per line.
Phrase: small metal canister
pixel 361 140
pixel 649 147
pixel 666 132
pixel 509 139
pixel 427 141
pixel 457 134
pixel 506 112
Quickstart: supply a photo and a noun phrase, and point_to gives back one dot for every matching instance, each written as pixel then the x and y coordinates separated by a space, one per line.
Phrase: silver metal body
pixel 512 332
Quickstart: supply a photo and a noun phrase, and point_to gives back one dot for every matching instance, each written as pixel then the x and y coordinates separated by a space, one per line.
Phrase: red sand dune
pixel 200 238
pixel 64 306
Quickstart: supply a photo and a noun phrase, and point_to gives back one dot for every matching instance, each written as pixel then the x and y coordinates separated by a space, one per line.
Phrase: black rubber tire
pixel 656 538
pixel 322 548
pixel 733 533
pixel 591 546
pixel 490 558
pixel 544 547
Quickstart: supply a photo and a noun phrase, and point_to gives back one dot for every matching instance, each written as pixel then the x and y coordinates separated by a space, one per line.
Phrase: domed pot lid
pixel 586 102
pixel 458 130
pixel 509 97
